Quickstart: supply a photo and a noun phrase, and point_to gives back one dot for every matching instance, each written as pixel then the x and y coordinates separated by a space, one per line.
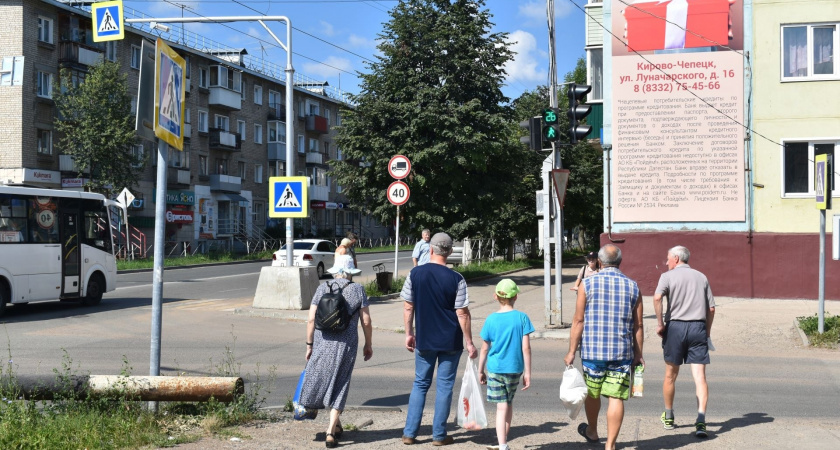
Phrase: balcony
pixel 225 140
pixel 319 192
pixel 277 111
pixel 276 151
pixel 74 54
pixel 317 124
pixel 315 158
pixel 66 163
pixel 177 176
pixel 225 183
pixel 222 97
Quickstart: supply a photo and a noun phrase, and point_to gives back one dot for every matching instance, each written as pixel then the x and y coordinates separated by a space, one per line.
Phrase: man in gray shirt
pixel 685 328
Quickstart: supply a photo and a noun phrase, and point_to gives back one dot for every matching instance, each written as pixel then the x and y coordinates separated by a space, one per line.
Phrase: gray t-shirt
pixel 688 291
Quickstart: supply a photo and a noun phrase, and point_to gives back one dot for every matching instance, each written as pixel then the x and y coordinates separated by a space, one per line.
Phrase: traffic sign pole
pixel 397 247
pixel 157 273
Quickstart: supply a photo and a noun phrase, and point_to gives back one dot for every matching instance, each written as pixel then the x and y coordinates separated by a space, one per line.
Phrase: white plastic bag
pixel 572 391
pixel 471 413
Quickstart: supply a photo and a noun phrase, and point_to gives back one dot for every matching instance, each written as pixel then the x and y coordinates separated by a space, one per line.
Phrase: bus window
pixel 43 220
pixel 12 219
pixel 96 231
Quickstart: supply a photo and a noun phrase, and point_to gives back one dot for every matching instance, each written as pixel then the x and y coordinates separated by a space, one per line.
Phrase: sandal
pixel 582 429
pixel 330 441
pixel 338 431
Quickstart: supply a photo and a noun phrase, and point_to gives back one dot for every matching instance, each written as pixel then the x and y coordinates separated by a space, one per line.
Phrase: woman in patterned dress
pixel 331 356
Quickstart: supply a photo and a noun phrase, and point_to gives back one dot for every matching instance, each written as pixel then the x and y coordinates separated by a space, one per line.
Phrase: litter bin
pixel 384 279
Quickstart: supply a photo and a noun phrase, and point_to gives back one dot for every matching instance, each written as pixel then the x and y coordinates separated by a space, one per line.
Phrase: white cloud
pixel 534 12
pixel 314 69
pixel 524 66
pixel 356 41
pixel 327 29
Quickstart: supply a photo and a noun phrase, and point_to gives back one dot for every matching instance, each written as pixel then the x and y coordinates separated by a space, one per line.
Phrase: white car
pixel 316 253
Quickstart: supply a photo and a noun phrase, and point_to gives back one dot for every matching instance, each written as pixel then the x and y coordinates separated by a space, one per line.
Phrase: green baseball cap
pixel 507 288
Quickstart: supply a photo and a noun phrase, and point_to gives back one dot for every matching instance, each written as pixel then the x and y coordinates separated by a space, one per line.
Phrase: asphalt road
pixel 202 336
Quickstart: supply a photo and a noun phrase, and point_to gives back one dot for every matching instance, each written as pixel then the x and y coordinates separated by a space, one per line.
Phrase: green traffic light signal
pixel 551 130
pixel 550 116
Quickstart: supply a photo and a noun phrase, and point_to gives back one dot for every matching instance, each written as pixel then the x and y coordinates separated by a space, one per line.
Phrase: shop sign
pixel 72 182
pixel 41 176
pixel 136 204
pixel 178 198
pixel 332 205
pixel 179 216
pixel 317 204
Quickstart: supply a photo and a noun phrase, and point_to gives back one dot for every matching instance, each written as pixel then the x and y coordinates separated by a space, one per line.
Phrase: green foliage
pixel 212 257
pixel 435 96
pixel 372 287
pixel 476 270
pixel 831 330
pixel 97 127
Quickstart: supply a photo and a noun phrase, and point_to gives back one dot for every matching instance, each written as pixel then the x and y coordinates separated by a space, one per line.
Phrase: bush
pixel 831 330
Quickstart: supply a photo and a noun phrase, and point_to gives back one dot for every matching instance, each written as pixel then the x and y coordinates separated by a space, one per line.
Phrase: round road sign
pixel 398 193
pixel 399 166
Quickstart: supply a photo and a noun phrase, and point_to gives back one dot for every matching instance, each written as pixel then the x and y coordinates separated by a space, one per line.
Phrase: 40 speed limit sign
pixel 398 193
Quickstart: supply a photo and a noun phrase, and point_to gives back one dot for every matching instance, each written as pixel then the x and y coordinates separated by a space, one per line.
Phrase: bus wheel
pixel 4 296
pixel 95 289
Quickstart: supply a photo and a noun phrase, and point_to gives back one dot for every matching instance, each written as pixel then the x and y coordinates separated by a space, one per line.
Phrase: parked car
pixel 457 255
pixel 316 253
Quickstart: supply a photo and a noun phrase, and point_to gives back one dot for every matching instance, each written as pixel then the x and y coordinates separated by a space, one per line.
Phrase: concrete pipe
pixel 143 388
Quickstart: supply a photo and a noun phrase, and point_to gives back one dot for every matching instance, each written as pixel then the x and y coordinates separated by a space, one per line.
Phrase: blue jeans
pixel 424 368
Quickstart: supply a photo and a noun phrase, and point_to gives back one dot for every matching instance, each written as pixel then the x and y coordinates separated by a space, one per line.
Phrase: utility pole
pixel 554 315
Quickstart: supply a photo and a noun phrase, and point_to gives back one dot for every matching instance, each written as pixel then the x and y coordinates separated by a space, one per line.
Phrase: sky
pixel 332 39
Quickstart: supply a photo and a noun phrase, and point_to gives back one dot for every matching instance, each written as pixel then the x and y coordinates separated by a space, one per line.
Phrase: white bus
pixel 55 245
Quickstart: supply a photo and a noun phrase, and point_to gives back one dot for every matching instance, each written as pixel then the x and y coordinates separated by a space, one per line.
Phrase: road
pixel 203 336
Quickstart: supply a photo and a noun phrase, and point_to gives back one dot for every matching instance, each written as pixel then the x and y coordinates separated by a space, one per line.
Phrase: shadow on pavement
pixel 394 400
pixel 684 435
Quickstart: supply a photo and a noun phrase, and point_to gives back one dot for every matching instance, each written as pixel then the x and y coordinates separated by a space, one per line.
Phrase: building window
pixel 798 167
pixel 11 71
pixel 301 144
pixel 240 128
pixel 45 84
pixel 203 77
pixel 202 121
pixel 45 142
pixel 595 74
pixel 259 214
pixel 138 155
pixel 242 90
pixel 258 94
pixel 277 131
pixel 45 30
pixel 312 108
pixel 179 159
pixel 338 155
pixel 222 122
pixel 202 165
pixel 135 57
pixel 111 50
pixel 221 166
pixel 338 118
pixel 317 176
pixel 809 52
pixel 226 77
pixel 327 149
pixel 301 110
pixel 338 189
pixel 314 145
pixel 258 133
pixel 275 99
pixel 327 116
pixel 258 173
pixel 187 67
pixel 242 170
pixel 187 116
pixel 134 105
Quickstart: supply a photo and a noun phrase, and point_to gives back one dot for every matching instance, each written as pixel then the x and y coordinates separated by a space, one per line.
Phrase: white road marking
pixel 190 281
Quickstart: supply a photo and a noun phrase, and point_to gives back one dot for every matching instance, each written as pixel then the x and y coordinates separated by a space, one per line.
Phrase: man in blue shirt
pixel 436 304
pixel 608 327
pixel 420 255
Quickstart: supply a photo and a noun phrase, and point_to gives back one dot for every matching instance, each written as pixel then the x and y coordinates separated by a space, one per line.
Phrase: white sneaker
pixel 492 447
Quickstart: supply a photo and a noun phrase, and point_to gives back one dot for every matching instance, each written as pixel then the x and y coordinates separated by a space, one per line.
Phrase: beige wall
pixel 11 44
pixel 787 110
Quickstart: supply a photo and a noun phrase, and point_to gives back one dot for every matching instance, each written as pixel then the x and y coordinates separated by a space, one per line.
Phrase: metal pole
pixel 397 246
pixel 157 273
pixel 558 164
pixel 821 296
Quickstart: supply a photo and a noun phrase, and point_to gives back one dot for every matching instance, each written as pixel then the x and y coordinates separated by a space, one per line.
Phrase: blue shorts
pixel 686 342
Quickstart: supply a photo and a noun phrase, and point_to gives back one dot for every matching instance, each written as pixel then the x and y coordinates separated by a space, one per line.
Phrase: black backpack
pixel 331 314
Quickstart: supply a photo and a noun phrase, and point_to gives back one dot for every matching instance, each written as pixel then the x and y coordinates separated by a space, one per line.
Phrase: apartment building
pixel 235 132
pixel 713 111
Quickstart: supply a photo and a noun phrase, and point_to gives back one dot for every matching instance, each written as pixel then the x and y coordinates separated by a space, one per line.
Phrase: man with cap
pixel 436 306
pixel 608 326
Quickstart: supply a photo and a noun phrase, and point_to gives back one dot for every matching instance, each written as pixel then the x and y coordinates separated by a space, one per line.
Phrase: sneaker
pixel 492 447
pixel 669 423
pixel 700 430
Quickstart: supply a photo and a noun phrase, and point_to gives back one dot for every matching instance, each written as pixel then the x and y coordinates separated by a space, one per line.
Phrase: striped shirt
pixel 608 318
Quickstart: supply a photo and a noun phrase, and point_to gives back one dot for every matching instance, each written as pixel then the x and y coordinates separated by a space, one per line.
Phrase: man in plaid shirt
pixel 608 327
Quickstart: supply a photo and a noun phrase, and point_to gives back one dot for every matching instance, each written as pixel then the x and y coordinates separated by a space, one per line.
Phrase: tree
pixel 434 95
pixel 97 127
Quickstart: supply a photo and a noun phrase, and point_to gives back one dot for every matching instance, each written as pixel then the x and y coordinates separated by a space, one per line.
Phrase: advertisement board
pixel 678 110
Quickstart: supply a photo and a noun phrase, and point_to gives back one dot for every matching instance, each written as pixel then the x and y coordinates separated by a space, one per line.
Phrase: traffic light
pixel 532 139
pixel 577 112
pixel 551 119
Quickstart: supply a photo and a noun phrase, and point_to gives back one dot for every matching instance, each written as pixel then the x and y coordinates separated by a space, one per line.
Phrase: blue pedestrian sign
pixel 108 24
pixel 288 197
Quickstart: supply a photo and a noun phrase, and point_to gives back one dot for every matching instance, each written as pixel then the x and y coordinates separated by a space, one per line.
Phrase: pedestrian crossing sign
pixel 170 94
pixel 289 198
pixel 108 24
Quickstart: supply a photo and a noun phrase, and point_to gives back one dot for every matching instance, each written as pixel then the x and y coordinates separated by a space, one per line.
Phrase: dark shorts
pixel 686 342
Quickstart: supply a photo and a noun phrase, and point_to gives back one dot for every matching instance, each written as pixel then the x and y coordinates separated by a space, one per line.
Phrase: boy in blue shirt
pixel 506 354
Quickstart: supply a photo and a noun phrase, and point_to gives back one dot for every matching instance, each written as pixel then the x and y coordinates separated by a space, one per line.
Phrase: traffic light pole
pixel 553 315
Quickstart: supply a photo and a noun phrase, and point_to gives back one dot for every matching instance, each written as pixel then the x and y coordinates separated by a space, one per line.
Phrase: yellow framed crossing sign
pixel 288 197
pixel 108 24
pixel 170 70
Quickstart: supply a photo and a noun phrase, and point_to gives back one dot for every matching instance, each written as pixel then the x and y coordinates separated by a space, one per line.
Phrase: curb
pixel 805 341
pixel 120 272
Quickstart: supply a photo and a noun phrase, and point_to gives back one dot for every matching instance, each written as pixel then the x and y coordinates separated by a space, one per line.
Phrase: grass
pixel 148 263
pixel 117 422
pixel 831 330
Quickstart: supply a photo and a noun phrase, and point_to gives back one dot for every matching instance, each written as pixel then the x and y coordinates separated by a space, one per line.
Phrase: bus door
pixel 70 251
